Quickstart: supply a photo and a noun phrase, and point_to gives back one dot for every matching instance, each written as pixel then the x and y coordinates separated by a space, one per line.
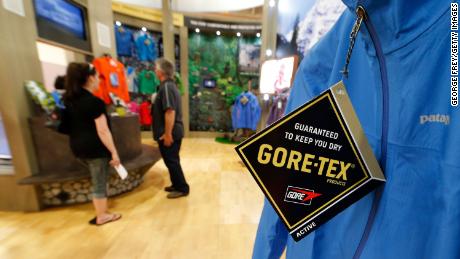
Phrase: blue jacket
pixel 399 84
pixel 124 41
pixel 146 48
pixel 247 115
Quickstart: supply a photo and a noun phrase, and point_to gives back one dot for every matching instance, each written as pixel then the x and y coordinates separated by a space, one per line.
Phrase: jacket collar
pixel 398 22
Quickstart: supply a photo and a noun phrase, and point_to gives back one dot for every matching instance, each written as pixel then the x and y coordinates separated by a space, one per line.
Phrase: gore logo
pixel 300 195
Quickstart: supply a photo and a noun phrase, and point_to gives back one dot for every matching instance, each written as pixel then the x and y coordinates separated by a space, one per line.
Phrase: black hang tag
pixel 314 162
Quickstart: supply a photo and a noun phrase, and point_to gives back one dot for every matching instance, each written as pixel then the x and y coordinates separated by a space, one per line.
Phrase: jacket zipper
pixel 385 121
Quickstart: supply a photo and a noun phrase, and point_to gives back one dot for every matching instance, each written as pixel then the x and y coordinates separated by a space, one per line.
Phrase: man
pixel 168 128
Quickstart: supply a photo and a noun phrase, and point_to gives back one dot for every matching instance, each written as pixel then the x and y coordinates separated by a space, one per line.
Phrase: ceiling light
pixel 197 30
pixel 218 33
pixel 118 23
pixel 238 34
pixel 144 29
pixel 258 35
pixel 272 3
pixel 269 52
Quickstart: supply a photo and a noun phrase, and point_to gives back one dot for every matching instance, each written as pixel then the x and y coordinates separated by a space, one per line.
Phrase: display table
pixel 62 179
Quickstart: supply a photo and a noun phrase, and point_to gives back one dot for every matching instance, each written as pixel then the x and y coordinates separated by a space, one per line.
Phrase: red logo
pixel 300 195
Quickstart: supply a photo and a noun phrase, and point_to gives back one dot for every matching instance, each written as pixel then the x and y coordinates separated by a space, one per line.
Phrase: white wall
pixel 4 147
pixel 54 61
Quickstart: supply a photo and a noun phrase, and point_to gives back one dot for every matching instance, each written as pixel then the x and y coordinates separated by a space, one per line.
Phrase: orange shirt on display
pixel 112 79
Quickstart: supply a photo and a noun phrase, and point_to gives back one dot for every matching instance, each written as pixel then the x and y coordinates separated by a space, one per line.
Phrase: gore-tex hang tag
pixel 314 162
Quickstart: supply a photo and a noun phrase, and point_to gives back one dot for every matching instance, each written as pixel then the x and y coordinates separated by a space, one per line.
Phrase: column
pixel 184 75
pixel 101 27
pixel 168 31
pixel 269 26
pixel 19 63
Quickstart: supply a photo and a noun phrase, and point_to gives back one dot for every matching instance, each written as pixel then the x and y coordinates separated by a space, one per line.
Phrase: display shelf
pixel 145 159
pixel 61 179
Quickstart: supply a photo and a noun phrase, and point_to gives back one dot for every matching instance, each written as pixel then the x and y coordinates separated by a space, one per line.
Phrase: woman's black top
pixel 79 122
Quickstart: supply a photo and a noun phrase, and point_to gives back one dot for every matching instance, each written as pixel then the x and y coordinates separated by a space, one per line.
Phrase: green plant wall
pixel 216 58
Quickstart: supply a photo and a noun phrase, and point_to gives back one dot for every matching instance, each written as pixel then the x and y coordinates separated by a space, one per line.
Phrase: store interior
pixel 235 63
pixel 217 50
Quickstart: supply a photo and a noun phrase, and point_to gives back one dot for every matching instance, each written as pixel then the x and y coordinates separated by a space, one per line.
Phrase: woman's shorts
pixel 99 169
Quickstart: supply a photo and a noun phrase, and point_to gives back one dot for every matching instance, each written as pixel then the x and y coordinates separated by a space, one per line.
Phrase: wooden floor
pixel 217 220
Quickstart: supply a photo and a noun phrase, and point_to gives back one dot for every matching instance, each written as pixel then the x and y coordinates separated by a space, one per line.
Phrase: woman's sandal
pixel 114 217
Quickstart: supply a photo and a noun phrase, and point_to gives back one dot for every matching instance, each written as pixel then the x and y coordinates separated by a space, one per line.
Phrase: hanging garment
pixel 130 77
pixel 148 82
pixel 133 107
pixel 246 112
pixel 145 47
pixel 112 79
pixel 179 83
pixel 57 97
pixel 399 83
pixel 277 109
pixel 40 96
pixel 144 114
pixel 125 41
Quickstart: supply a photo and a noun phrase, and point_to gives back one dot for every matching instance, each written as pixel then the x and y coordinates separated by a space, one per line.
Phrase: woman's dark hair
pixel 59 83
pixel 75 79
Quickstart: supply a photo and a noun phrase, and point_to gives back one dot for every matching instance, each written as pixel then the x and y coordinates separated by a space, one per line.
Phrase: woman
pixel 85 120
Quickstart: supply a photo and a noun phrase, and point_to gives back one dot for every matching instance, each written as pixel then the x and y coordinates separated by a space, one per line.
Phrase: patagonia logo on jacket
pixel 439 118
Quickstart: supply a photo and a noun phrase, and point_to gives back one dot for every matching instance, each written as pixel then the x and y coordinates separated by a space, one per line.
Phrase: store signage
pixel 314 162
pixel 211 25
pixel 103 35
pixel 146 13
pixel 277 74
pixel 14 6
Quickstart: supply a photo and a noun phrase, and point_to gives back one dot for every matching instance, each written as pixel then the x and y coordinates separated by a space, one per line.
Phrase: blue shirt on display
pixel 57 97
pixel 125 41
pixel 145 47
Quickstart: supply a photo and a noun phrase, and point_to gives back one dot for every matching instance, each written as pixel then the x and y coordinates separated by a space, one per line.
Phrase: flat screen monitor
pixel 209 83
pixel 63 22
pixel 277 74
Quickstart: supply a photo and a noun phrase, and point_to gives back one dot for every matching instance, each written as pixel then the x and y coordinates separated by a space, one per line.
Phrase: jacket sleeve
pixel 257 112
pixel 235 113
pixel 271 235
pixel 168 96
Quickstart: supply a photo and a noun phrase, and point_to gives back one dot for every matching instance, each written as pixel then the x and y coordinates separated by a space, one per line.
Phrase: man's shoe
pixel 169 189
pixel 176 194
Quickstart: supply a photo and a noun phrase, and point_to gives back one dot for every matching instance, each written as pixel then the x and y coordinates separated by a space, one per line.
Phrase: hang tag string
pixel 361 15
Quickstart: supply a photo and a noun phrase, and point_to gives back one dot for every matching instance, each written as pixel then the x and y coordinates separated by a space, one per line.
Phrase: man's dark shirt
pixel 168 97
